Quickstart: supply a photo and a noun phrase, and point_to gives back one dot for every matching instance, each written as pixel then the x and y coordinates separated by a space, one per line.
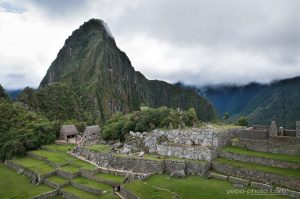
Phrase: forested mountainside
pixel 261 103
pixel 103 80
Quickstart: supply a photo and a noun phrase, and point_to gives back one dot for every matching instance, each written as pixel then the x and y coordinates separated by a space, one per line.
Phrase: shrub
pixel 145 120
pixel 243 121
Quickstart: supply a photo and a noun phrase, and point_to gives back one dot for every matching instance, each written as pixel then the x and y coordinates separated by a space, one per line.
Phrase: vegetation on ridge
pixel 147 119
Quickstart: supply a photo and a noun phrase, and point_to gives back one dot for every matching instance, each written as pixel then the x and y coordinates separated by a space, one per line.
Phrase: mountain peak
pixel 98 25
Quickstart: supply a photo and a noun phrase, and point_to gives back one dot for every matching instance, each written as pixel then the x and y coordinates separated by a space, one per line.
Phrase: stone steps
pixel 233 155
pixel 256 173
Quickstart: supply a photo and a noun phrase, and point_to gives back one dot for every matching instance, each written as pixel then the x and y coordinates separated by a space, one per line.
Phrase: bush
pixel 243 121
pixel 145 120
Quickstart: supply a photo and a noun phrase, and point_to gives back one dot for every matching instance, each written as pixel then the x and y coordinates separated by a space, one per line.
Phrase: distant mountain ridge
pixel 91 65
pixel 261 103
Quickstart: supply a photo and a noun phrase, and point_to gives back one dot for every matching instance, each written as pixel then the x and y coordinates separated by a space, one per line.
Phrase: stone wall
pixel 280 145
pixel 142 165
pixel 68 195
pixel 259 160
pixel 188 152
pixel 66 174
pixel 86 188
pixel 127 194
pixel 192 143
pixel 258 176
pixel 253 134
pixel 47 195
pixel 289 132
pixel 27 172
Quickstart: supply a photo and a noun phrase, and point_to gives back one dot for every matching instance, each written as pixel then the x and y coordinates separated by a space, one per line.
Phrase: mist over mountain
pixel 261 103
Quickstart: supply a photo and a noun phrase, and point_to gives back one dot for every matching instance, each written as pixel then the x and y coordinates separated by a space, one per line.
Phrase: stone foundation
pixel 142 165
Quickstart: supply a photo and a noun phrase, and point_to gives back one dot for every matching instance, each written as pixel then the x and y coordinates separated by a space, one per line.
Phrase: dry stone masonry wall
pixel 194 143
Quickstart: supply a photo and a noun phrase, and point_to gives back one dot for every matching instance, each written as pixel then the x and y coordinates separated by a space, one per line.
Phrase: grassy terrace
pixel 13 185
pixel 192 187
pixel 70 169
pixel 145 191
pixel 80 193
pixel 91 183
pixel 99 147
pixel 280 171
pixel 57 180
pixel 60 147
pixel 281 157
pixel 38 166
pixel 63 158
pixel 110 177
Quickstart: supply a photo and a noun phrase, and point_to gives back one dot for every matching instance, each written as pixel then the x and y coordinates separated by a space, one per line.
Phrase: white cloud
pixel 197 42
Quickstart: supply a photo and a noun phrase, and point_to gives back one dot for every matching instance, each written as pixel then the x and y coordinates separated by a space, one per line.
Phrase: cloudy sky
pixel 197 42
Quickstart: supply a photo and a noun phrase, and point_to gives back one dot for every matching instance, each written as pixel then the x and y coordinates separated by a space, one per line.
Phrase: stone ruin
pixel 194 143
pixel 258 132
pixel 91 135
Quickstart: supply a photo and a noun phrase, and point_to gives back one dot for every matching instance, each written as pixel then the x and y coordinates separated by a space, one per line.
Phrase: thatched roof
pixel 67 130
pixel 91 130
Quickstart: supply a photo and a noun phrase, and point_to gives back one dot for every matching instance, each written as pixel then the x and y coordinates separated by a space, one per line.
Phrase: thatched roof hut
pixel 91 132
pixel 67 131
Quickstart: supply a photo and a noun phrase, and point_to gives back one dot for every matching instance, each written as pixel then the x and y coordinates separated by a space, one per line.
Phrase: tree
pixel 226 116
pixel 243 121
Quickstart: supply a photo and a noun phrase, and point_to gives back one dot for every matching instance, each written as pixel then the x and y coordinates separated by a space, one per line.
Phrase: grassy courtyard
pixel 192 187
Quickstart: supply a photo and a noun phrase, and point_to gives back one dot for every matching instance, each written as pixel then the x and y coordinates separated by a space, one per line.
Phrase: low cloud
pixel 196 42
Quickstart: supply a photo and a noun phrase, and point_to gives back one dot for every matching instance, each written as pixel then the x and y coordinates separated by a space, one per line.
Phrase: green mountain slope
pixel 102 77
pixel 56 101
pixel 260 103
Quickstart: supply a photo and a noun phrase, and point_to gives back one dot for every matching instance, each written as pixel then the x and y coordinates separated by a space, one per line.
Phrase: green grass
pixel 38 166
pixel 282 157
pixel 16 186
pixel 99 147
pixel 60 147
pixel 110 177
pixel 63 158
pixel 280 171
pixel 92 183
pixel 58 180
pixel 70 169
pixel 55 157
pixel 80 193
pixel 109 195
pixel 196 187
pixel 145 191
